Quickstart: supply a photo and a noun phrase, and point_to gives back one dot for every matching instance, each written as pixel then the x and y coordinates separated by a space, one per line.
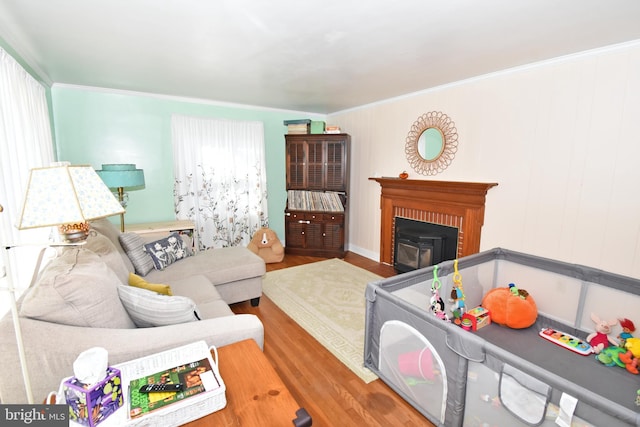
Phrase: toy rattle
pixel 437 304
pixel 457 293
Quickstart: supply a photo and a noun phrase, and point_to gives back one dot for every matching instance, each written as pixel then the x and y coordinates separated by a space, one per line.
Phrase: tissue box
pixel 89 406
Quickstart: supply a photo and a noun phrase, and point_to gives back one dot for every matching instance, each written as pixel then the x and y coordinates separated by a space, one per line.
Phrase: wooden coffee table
pixel 256 396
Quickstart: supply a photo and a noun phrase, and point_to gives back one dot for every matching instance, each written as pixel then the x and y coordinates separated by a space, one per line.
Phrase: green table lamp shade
pixel 124 175
pixel 121 176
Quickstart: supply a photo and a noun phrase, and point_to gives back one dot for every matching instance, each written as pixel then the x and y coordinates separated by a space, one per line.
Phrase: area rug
pixel 326 298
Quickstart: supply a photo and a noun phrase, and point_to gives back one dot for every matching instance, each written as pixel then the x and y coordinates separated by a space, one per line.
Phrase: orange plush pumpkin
pixel 511 307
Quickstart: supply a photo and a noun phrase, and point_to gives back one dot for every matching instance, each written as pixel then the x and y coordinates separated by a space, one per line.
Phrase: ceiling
pixel 323 56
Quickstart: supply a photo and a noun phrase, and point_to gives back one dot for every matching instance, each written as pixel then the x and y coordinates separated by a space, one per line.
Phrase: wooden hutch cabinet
pixel 316 215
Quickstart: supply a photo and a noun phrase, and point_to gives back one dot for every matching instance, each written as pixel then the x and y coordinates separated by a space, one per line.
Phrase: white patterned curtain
pixel 220 178
pixel 25 143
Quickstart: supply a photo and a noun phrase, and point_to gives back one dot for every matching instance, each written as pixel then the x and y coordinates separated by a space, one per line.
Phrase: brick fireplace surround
pixel 449 203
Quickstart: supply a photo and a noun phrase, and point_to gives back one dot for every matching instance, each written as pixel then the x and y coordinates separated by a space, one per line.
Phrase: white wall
pixel 561 138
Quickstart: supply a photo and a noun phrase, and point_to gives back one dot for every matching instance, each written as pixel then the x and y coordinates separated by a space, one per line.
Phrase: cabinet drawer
pixel 333 217
pixel 294 216
pixel 304 216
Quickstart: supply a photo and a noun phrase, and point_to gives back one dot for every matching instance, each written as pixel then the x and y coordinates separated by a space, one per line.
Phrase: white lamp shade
pixel 66 194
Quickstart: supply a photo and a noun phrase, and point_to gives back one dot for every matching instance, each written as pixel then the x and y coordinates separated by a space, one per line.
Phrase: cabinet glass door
pixel 335 163
pixel 296 165
pixel 315 165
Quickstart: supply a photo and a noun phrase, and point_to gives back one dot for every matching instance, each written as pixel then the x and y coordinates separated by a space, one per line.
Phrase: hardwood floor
pixel 327 389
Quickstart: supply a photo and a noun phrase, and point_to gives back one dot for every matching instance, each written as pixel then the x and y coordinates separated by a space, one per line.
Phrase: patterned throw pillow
pixel 165 252
pixel 133 246
pixel 148 309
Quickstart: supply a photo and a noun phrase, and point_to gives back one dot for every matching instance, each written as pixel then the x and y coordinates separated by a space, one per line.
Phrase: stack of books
pixel 301 200
pixel 297 127
pixel 332 129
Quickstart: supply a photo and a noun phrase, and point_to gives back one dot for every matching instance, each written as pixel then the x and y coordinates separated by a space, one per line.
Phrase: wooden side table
pixel 256 396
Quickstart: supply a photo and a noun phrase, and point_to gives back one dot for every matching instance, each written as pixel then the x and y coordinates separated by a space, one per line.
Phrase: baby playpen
pixel 499 376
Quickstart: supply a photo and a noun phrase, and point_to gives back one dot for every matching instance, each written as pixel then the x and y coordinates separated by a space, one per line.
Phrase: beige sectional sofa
pixel 82 299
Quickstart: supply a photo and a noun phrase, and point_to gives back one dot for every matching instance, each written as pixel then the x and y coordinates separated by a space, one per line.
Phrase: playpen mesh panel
pixel 540 284
pixel 484 406
pixel 411 362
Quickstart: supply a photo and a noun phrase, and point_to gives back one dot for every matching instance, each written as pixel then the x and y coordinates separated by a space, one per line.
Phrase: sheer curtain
pixel 25 143
pixel 220 178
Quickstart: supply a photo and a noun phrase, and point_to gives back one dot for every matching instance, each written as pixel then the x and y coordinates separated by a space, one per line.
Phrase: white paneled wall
pixel 562 139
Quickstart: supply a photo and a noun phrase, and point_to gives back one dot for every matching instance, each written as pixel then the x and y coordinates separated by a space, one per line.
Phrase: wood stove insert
pixel 419 244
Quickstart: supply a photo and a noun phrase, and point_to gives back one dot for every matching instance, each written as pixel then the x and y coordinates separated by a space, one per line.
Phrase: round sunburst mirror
pixel 431 143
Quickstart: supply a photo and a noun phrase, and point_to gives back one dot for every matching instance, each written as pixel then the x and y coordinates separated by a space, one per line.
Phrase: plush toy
pixel 600 339
pixel 437 307
pixel 610 356
pixel 511 307
pixel 266 245
pixel 632 356
pixel 627 329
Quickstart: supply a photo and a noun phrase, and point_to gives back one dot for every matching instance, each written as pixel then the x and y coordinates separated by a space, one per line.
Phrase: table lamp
pixel 121 176
pixel 67 197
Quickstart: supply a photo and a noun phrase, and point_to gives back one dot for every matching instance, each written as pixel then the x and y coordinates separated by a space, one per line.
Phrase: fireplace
pixel 449 203
pixel 419 244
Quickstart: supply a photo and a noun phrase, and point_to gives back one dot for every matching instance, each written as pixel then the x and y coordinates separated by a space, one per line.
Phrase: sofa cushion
pixel 133 246
pixel 106 250
pixel 200 289
pixel 78 289
pixel 106 228
pixel 196 287
pixel 222 265
pixel 139 282
pixel 166 251
pixel 148 308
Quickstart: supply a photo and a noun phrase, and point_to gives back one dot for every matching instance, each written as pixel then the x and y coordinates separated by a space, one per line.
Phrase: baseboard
pixel 374 256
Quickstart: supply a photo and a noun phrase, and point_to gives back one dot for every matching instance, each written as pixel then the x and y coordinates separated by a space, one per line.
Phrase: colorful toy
pixel 567 341
pixel 627 328
pixel 600 339
pixel 417 364
pixel 632 356
pixel 266 245
pixel 436 302
pixel 495 401
pixel 457 294
pixel 477 318
pixel 511 307
pixel 610 356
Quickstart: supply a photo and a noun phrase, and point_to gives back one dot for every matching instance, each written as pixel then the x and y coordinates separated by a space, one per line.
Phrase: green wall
pixel 95 127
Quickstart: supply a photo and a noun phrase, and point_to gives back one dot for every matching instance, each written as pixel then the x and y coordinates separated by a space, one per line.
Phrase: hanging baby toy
pixel 457 294
pixel 437 304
